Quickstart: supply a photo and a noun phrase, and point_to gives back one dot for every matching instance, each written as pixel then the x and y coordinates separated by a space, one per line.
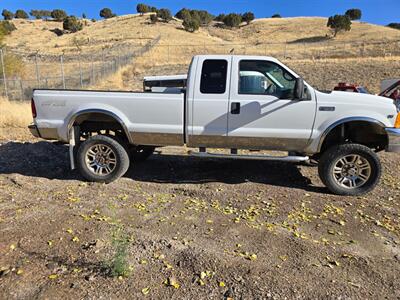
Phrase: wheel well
pixel 372 135
pixel 99 123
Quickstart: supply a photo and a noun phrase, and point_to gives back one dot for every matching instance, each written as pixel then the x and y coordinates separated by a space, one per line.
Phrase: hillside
pixel 292 40
pixel 135 30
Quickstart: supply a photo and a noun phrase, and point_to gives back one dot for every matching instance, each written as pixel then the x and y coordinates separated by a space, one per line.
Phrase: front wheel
pixel 102 159
pixel 349 169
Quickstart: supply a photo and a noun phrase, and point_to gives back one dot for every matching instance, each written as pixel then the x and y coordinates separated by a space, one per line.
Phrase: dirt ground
pixel 177 227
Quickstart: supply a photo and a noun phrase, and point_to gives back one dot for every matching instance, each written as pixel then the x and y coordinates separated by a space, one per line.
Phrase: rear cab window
pixel 214 76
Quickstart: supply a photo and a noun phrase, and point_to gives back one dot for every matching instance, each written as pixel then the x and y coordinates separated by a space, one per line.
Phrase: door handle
pixel 235 108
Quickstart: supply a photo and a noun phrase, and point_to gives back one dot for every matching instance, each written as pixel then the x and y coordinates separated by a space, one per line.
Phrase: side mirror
pixel 299 89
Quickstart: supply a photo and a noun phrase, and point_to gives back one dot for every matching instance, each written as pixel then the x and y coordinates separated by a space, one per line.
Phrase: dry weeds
pixel 14 114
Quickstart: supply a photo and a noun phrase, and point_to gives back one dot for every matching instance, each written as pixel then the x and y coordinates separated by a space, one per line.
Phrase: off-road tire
pixel 331 157
pixel 141 153
pixel 119 153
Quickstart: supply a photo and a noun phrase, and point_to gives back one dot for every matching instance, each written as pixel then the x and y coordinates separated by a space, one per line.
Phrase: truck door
pixel 208 109
pixel 262 112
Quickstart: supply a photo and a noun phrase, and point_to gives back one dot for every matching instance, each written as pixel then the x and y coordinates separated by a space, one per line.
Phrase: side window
pixel 213 76
pixel 266 78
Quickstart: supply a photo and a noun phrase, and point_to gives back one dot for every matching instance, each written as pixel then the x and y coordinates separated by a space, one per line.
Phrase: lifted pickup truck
pixel 231 102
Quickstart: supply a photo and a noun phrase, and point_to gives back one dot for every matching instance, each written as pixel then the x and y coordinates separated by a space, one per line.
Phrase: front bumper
pixel 394 139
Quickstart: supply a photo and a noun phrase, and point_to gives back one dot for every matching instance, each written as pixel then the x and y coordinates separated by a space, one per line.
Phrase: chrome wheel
pixel 352 171
pixel 101 159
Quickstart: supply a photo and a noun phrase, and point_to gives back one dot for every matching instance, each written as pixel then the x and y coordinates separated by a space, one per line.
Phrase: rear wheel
pixel 141 153
pixel 349 169
pixel 102 159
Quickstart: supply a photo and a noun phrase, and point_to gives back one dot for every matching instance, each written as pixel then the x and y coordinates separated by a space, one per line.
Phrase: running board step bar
pixel 293 159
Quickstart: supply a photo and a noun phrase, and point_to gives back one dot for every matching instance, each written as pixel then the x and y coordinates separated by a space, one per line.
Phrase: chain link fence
pixel 66 71
pixel 297 50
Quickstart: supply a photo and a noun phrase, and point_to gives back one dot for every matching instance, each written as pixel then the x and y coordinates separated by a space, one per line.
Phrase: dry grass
pixel 14 114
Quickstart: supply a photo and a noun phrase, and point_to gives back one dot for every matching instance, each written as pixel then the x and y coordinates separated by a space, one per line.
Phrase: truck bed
pixel 145 115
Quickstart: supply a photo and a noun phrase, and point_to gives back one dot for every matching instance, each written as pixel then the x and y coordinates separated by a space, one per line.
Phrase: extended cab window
pixel 213 76
pixel 265 78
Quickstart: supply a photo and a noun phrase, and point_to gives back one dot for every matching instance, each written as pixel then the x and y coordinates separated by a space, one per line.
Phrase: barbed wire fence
pixel 66 71
pixel 78 70
pixel 297 50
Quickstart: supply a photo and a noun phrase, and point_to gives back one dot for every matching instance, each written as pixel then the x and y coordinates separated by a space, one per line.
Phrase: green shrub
pixel 276 16
pixel 191 24
pixel 339 23
pixel 394 25
pixel 205 17
pixel 153 9
pixel 107 13
pixel 58 14
pixel 40 14
pixel 142 8
pixel 183 14
pixel 119 263
pixel 248 17
pixel 13 65
pixel 7 15
pixel 6 27
pixel 202 16
pixel 232 20
pixel 21 14
pixel 72 24
pixel 164 14
pixel 354 14
pixel 220 18
pixel 153 19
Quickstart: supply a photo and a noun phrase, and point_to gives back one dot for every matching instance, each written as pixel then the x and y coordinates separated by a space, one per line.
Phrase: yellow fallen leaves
pixel 53 276
pixel 12 247
pixel 283 257
pixel 50 243
pixel 171 281
pixel 145 290
pixel 221 284
pixel 75 239
pixel 20 272
pixel 331 262
pixel 252 256
pixel 70 231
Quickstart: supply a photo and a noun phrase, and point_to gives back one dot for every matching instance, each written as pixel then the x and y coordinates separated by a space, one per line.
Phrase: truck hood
pixel 347 104
pixel 355 98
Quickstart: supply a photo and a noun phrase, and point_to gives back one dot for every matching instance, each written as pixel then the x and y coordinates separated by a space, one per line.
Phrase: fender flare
pixel 99 111
pixel 346 120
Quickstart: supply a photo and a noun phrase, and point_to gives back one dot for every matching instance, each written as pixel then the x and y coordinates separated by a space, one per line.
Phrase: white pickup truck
pixel 232 102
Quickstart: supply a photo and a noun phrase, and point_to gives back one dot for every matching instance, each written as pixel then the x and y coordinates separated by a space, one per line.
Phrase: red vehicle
pixel 391 89
pixel 348 87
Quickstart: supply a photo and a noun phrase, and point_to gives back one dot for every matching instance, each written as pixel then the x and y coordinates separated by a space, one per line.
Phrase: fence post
pixel 285 54
pixel 37 71
pixel 92 80
pixel 4 73
pixel 22 89
pixel 80 70
pixel 62 70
